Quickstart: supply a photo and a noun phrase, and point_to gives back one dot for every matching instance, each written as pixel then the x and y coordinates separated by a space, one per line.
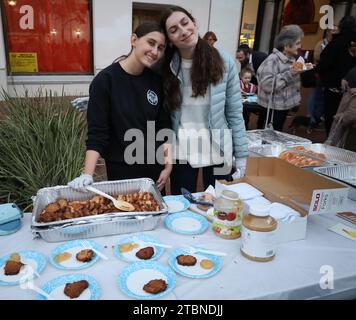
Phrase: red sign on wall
pixel 58 31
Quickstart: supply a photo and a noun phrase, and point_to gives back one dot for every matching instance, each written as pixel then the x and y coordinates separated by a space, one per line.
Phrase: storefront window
pixel 248 22
pixel 48 36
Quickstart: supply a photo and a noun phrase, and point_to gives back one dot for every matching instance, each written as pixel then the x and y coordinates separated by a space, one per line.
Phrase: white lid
pixel 230 195
pixel 260 210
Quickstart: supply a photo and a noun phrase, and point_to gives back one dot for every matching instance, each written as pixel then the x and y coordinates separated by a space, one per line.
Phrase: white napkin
pixel 258 200
pixel 210 190
pixel 244 190
pixel 281 212
pixel 301 59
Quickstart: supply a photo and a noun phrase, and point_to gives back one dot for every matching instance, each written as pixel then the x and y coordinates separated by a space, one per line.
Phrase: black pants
pixel 331 104
pixel 121 171
pixel 183 175
pixel 350 143
pixel 279 118
pixel 249 108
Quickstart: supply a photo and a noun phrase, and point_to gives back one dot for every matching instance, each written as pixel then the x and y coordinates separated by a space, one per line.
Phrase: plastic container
pixel 10 218
pixel 259 234
pixel 228 210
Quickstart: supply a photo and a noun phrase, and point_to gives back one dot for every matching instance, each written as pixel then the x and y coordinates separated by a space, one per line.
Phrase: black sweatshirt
pixel 118 102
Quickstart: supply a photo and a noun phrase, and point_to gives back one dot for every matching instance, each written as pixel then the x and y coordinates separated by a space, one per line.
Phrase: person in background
pixel 245 82
pixel 125 95
pixel 238 66
pixel 248 88
pixel 335 62
pixel 315 102
pixel 344 123
pixel 202 91
pixel 250 59
pixel 321 45
pixel 279 77
pixel 210 38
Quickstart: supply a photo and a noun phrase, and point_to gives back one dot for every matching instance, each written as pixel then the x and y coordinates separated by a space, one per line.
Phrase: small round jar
pixel 258 234
pixel 228 215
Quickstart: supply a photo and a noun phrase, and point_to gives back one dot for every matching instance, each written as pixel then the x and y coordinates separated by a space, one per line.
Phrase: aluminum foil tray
pixel 268 136
pixel 344 173
pixel 268 150
pixel 274 150
pixel 98 228
pixel 99 225
pixel 334 155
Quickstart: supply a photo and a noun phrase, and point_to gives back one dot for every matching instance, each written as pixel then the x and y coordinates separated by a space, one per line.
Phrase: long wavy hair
pixel 207 68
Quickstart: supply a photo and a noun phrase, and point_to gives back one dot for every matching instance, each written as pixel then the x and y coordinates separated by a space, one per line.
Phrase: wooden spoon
pixel 119 204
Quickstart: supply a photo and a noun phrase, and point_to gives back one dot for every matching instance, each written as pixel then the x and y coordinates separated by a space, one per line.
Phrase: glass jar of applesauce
pixel 227 215
pixel 258 234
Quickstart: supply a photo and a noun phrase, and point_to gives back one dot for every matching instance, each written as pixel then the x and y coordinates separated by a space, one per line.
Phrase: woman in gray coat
pixel 279 77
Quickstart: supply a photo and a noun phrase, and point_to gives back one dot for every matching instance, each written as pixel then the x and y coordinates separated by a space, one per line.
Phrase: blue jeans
pixel 315 106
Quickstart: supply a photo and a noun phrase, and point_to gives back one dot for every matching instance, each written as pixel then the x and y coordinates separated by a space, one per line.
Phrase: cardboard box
pixel 292 231
pixel 302 190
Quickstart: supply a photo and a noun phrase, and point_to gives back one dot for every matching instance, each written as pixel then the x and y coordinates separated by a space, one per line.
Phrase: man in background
pixel 250 59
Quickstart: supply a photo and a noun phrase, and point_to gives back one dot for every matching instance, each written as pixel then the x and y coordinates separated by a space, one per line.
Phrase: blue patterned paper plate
pixel 176 203
pixel 74 247
pixel 55 287
pixel 31 258
pixel 140 240
pixel 186 223
pixel 133 277
pixel 196 271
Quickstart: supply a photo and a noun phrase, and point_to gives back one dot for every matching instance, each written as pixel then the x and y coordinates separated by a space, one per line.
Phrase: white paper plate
pixel 56 287
pixel 176 203
pixel 186 223
pixel 35 263
pixel 141 240
pixel 73 247
pixel 196 271
pixel 132 279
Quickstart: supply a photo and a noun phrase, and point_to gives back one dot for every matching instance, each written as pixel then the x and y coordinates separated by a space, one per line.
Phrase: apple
pixel 231 216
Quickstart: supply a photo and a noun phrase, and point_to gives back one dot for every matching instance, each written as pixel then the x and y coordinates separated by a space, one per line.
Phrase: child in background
pixel 245 82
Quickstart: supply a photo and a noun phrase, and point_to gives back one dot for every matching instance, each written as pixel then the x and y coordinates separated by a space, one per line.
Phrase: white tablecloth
pixel 293 274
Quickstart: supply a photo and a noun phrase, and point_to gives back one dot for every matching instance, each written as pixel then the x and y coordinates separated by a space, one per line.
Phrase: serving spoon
pixel 119 204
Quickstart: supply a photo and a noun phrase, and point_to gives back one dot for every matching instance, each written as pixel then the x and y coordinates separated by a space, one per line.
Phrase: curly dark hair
pixel 207 68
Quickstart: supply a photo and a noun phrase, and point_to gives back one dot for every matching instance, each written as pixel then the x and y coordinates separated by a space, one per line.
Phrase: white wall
pixel 112 22
pixel 3 81
pixel 112 28
pixel 225 20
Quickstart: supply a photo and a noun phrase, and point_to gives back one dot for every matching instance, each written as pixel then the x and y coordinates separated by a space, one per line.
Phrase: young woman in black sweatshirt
pixel 125 112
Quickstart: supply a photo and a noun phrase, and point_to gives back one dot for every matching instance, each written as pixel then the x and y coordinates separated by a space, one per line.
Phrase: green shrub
pixel 41 145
